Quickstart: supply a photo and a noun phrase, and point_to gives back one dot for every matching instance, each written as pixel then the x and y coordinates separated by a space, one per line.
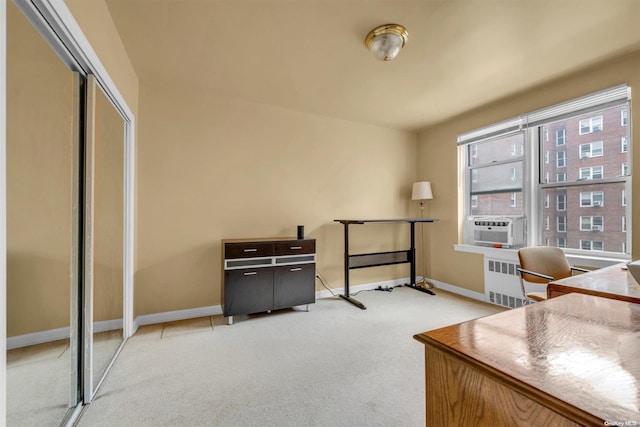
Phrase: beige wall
pixel 437 154
pixel 95 21
pixel 212 168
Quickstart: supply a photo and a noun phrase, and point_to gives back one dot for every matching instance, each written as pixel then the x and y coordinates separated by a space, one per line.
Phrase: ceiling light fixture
pixel 386 41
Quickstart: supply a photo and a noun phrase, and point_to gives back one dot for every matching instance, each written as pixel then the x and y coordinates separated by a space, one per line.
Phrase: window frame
pixel 536 128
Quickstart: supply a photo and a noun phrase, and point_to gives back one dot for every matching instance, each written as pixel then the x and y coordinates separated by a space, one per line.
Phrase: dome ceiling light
pixel 386 41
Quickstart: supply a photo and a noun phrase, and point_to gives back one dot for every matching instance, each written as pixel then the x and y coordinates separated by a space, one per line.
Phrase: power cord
pixel 318 276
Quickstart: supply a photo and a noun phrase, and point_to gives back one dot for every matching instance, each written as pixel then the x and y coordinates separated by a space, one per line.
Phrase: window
pixel 593 172
pixel 562 202
pixel 496 176
pixel 591 223
pixel 590 125
pixel 624 224
pixel 562 199
pixel 591 149
pixel 591 245
pixel 591 198
pixel 624 117
pixel 562 224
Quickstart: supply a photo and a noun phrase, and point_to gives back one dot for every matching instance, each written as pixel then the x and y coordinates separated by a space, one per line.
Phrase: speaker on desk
pixel 300 232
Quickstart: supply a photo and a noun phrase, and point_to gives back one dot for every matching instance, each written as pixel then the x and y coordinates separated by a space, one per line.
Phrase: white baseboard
pixel 458 290
pixel 57 334
pixel 191 313
pixel 38 338
pixel 366 286
pixel 172 316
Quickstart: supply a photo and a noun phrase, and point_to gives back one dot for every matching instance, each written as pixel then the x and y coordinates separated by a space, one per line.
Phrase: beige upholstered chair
pixel 542 264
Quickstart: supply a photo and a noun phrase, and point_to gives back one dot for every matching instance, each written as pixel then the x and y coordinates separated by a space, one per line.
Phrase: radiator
pixel 502 283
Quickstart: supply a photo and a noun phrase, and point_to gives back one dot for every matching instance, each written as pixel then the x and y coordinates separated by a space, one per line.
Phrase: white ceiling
pixel 309 55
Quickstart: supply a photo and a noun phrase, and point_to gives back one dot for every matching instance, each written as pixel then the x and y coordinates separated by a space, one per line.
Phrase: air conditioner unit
pixel 498 230
pixel 596 228
pixel 597 203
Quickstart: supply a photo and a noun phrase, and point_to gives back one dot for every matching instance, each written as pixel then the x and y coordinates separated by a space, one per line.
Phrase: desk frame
pixel 409 255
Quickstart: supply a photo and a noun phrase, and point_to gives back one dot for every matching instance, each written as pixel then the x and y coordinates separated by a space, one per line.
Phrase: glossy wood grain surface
pixel 610 282
pixel 578 355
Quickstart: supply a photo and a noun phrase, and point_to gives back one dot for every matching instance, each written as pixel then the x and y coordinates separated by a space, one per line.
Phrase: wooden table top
pixel 609 282
pixel 576 354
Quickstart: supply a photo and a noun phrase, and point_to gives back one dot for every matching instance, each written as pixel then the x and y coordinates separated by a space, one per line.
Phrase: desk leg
pixel 346 295
pixel 412 256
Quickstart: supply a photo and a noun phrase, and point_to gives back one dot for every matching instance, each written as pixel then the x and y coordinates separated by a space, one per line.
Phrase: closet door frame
pixel 55 22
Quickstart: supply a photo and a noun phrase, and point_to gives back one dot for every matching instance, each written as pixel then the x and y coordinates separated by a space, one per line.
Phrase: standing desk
pixel 375 259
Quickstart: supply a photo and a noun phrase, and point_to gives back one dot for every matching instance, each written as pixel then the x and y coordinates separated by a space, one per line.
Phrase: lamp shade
pixel 421 191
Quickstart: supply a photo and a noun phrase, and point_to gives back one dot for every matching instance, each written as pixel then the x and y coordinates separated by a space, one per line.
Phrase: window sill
pixel 512 253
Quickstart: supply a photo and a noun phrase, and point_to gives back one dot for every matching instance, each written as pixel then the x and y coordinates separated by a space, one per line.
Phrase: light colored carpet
pixel 335 365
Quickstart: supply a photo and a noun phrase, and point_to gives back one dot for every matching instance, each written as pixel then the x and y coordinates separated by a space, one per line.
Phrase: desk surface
pixel 363 221
pixel 609 282
pixel 576 354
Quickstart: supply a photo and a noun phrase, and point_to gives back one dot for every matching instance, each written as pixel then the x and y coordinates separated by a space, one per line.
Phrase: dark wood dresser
pixel 261 275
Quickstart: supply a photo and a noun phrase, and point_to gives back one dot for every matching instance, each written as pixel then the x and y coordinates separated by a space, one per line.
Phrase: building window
pixel 591 223
pixel 590 125
pixel 624 224
pixel 591 245
pixel 591 198
pixel 592 172
pixel 562 202
pixel 529 184
pixel 624 117
pixel 625 169
pixel 562 224
pixel 591 149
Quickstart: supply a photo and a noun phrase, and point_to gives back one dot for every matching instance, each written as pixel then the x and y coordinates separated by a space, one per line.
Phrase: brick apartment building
pixel 583 148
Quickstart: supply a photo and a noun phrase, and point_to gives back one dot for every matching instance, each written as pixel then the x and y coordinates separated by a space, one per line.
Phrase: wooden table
pixel 609 282
pixel 567 361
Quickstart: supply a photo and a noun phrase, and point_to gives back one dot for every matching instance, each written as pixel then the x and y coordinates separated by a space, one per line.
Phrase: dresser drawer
pixel 247 250
pixel 295 247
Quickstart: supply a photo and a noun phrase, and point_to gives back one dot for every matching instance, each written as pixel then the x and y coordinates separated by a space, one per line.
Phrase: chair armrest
pixel 581 270
pixel 533 273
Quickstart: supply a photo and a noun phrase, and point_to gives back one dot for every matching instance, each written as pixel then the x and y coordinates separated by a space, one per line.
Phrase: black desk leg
pixel 346 295
pixel 412 255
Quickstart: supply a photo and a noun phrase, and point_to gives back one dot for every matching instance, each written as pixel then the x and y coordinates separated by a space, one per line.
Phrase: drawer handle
pixel 251 250
pixel 251 273
pixel 295 247
pixel 296 269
